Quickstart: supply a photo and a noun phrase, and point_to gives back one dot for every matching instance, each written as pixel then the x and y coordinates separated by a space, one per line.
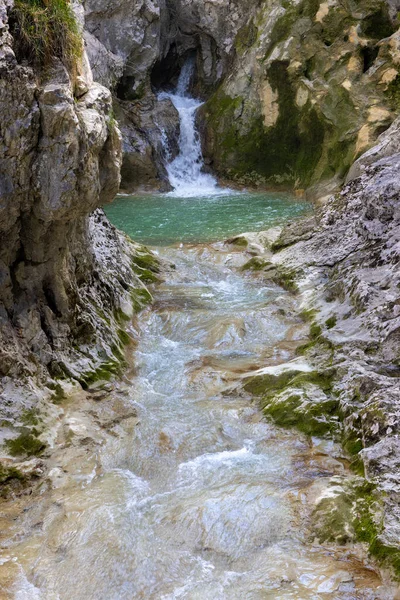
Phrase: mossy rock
pixel 140 297
pixel 246 37
pixel 239 241
pixel 299 408
pixel 261 384
pixel 310 140
pixel 256 264
pixel 58 393
pixel 299 399
pixel 286 279
pixel 308 314
pixel 104 372
pixel 9 473
pixel 354 513
pixel 349 513
pixel 26 444
pixel 315 331
pixel 30 417
pixel 145 260
pixel 331 322
pixel 283 154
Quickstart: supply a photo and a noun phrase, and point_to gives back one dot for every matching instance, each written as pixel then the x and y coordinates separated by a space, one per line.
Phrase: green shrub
pixel 43 29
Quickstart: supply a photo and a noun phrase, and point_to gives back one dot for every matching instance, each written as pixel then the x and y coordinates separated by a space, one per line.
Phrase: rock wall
pixel 344 264
pixel 67 278
pixel 296 89
pixel 311 87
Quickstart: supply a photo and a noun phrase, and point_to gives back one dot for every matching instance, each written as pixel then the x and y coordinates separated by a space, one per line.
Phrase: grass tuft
pixel 43 29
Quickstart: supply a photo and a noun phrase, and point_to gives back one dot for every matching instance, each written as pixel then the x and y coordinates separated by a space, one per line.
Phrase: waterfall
pixel 185 172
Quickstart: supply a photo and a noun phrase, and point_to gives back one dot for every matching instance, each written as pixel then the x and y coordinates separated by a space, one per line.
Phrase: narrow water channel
pixel 194 495
pixel 203 499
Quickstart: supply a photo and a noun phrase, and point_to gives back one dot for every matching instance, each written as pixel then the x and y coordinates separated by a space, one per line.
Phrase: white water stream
pixel 186 171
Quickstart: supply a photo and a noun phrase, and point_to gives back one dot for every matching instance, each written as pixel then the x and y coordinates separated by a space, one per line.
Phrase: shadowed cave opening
pixel 166 71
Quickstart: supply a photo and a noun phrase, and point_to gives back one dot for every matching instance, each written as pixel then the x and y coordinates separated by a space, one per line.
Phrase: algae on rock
pixel 308 91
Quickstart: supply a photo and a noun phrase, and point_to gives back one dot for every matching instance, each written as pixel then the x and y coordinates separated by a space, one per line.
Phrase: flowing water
pixel 198 497
pixel 186 171
pixel 201 499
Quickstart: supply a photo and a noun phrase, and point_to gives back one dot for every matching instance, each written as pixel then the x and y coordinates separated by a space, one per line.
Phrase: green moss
pixel 140 297
pixel 311 418
pixel 255 264
pixel 43 29
pixel 285 398
pixel 286 279
pixel 348 514
pixel 246 37
pixel 30 417
pixel 147 261
pixel 120 316
pixel 266 383
pixel 124 337
pixel 25 444
pixel 387 555
pixel 393 92
pixel 281 29
pixel 335 24
pixel 378 25
pixel 309 8
pixel 284 153
pixel 146 266
pixel 315 331
pixel 353 444
pixel 319 343
pixel 103 373
pixel 58 394
pixel 239 241
pixel 355 514
pixel 308 314
pixel 331 322
pixel 307 144
pixel 9 473
pixel 323 380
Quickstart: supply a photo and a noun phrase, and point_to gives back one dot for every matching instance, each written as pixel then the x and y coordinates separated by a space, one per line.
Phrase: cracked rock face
pixel 60 159
pixel 348 266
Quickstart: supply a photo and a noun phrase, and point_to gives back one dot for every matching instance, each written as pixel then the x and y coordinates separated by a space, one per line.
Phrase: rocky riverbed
pixel 298 95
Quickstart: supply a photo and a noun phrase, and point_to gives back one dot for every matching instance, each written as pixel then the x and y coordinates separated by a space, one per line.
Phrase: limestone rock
pixel 348 273
pixel 312 85
pixel 67 278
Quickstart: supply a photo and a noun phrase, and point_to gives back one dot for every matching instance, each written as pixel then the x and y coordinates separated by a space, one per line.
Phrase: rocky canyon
pixel 296 97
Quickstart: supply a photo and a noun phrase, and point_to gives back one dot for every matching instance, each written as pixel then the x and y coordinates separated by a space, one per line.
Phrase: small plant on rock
pixel 43 29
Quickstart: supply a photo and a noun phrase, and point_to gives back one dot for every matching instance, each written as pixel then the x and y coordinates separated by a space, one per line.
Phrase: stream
pixel 196 495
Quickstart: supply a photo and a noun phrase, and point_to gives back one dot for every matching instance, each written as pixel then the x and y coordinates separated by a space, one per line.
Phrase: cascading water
pixel 185 172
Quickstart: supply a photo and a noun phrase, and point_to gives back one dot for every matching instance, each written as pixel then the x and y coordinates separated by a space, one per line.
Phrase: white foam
pixel 297 364
pixel 215 457
pixel 185 172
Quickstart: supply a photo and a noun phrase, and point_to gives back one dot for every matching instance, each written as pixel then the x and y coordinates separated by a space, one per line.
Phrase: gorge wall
pixel 312 86
pixel 295 90
pixel 68 278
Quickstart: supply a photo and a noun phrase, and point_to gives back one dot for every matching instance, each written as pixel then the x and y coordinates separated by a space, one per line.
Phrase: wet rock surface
pixel 347 272
pixel 157 471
